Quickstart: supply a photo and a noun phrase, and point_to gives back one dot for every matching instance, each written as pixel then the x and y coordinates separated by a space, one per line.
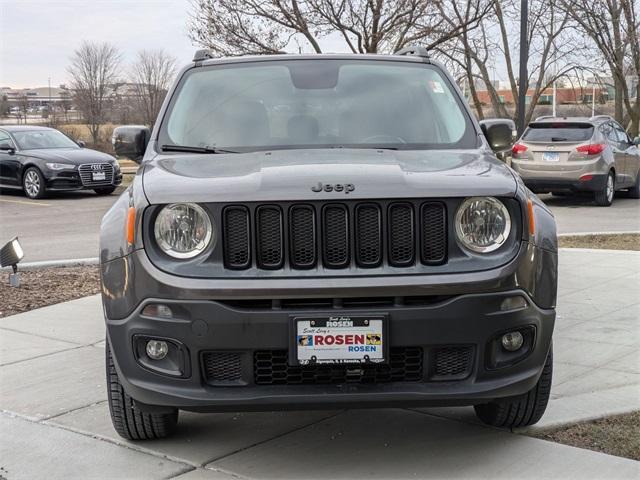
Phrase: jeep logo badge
pixel 337 187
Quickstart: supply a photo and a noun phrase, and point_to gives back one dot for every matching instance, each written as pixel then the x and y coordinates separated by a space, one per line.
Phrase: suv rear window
pixel 558 132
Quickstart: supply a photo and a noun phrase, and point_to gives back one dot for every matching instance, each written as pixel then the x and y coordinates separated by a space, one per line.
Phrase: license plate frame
pixel 98 176
pixel 337 354
pixel 551 156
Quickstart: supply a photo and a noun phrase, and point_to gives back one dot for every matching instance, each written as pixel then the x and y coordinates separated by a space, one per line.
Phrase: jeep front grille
pixel 334 235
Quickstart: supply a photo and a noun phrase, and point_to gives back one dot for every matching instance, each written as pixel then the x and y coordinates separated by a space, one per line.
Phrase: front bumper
pixel 218 321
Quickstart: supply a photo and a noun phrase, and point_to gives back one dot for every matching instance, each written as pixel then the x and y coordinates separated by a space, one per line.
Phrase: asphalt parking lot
pixel 66 226
pixel 59 227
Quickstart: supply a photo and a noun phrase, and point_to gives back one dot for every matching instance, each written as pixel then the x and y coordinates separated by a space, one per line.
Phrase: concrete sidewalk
pixel 55 419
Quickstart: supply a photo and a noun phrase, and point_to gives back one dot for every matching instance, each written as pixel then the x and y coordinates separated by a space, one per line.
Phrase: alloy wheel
pixel 32 183
pixel 610 189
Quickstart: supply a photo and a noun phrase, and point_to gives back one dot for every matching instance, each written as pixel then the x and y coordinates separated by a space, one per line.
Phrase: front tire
pixel 33 183
pixel 104 190
pixel 128 420
pixel 523 410
pixel 604 197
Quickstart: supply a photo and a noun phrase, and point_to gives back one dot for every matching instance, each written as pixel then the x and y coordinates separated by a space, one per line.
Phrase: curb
pixel 72 262
pixel 586 234
pixel 599 250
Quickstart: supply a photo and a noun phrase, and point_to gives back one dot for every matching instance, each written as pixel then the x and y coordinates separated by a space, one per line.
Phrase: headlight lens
pixel 482 224
pixel 60 166
pixel 183 230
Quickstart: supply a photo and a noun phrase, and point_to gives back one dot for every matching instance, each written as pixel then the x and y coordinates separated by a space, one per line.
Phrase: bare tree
pixel 94 69
pixel 554 51
pixel 614 28
pixel 152 73
pixel 236 27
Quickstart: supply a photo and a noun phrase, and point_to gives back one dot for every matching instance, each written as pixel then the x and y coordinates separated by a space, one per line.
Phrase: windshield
pixel 316 104
pixel 558 132
pixel 38 139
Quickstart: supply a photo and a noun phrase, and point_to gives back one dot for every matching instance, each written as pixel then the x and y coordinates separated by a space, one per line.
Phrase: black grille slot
pixel 269 237
pixel 433 233
pixel 302 236
pixel 368 235
pixel 401 235
pixel 271 367
pixel 452 363
pixel 236 237
pixel 335 236
pixel 222 367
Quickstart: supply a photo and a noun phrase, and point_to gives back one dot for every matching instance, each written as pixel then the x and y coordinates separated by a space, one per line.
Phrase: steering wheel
pixel 384 137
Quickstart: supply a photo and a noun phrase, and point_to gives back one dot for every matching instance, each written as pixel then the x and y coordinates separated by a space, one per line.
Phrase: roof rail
pixel 544 117
pixel 203 54
pixel 413 50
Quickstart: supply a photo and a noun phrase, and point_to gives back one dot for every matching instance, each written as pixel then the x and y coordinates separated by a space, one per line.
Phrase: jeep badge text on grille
pixel 338 187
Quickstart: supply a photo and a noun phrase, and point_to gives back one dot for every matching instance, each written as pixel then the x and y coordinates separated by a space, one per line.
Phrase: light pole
pixel 49 109
pixel 524 54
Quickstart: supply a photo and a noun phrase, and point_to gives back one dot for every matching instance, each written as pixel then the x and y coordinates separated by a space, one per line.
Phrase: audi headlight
pixel 482 224
pixel 183 230
pixel 60 166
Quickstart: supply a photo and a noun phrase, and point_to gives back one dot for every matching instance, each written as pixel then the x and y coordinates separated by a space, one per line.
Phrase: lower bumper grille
pixel 271 368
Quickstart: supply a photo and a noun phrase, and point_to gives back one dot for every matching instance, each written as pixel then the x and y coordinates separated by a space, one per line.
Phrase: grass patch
pixel 623 241
pixel 47 286
pixel 617 435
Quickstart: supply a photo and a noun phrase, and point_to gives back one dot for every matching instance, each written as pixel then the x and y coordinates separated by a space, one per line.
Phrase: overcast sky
pixel 37 37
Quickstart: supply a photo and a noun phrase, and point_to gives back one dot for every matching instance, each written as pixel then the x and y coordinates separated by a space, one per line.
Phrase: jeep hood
pixel 290 174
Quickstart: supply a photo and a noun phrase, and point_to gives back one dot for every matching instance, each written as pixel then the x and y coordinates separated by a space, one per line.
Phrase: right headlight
pixel 183 230
pixel 482 224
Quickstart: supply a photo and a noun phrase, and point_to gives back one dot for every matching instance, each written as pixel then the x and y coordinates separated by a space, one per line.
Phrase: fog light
pixel 511 341
pixel 157 349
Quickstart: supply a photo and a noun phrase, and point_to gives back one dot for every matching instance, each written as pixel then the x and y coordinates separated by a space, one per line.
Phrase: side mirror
pixel 499 133
pixel 636 141
pixel 130 141
pixel 81 143
pixel 7 147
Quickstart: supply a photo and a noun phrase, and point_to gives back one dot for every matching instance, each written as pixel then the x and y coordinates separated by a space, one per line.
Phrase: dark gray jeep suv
pixel 324 231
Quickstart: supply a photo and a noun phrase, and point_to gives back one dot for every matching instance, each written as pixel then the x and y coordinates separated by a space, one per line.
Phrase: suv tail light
pixel 593 149
pixel 518 149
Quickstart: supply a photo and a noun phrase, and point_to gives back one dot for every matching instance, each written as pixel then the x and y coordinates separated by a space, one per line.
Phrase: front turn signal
pixel 131 225
pixel 532 219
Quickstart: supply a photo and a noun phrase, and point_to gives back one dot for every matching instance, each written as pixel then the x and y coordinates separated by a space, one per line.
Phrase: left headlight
pixel 183 230
pixel 482 224
pixel 60 166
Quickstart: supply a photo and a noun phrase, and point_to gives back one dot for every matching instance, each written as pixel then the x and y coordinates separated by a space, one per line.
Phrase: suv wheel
pixel 604 197
pixel 521 411
pixel 33 183
pixel 128 420
pixel 104 190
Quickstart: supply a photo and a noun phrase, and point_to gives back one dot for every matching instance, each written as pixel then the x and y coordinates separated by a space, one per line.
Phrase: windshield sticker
pixel 436 86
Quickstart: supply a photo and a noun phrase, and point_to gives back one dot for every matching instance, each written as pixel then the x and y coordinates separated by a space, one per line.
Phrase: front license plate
pixel 97 176
pixel 340 339
pixel 551 156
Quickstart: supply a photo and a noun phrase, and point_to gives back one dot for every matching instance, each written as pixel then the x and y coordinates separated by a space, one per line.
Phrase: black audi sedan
pixel 40 160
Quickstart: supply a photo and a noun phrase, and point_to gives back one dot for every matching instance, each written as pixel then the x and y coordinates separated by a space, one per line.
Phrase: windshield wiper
pixel 187 148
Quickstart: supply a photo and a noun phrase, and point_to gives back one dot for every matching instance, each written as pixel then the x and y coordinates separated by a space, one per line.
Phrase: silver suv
pixel 578 155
